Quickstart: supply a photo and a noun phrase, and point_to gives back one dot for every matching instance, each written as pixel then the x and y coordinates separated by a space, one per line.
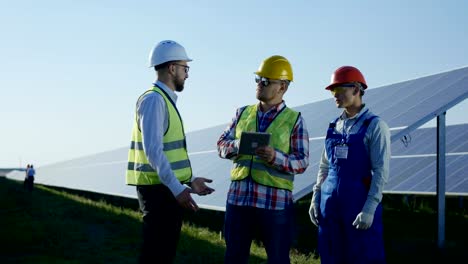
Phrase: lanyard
pixel 344 136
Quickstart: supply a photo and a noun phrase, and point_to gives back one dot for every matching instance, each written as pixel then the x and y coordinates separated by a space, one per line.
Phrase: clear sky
pixel 71 71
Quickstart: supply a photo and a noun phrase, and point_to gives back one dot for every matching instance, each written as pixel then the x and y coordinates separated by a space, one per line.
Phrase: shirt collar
pixel 168 90
pixel 276 108
pixel 361 112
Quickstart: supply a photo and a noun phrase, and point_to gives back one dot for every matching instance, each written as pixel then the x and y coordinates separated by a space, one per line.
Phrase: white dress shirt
pixel 153 117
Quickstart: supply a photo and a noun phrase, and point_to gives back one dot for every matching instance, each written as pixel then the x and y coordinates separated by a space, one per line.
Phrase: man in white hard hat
pixel 158 163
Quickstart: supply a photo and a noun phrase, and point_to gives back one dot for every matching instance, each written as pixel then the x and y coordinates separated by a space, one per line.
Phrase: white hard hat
pixel 167 50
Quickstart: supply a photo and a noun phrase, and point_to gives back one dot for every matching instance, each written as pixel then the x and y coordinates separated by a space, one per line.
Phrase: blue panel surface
pixel 404 106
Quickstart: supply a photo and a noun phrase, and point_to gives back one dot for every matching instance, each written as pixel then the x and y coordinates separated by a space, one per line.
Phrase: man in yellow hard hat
pixel 346 203
pixel 260 195
pixel 158 162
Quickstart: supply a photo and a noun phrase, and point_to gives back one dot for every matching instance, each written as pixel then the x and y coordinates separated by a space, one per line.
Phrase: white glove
pixel 363 221
pixel 365 218
pixel 314 209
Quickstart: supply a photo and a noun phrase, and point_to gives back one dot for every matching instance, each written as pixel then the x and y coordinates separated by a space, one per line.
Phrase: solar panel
pixel 404 106
pixel 413 166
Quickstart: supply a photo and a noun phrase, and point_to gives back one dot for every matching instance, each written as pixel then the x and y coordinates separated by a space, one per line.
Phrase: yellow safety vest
pixel 139 171
pixel 281 129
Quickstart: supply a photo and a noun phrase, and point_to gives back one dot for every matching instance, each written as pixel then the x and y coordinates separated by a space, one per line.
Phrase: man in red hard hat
pixel 346 202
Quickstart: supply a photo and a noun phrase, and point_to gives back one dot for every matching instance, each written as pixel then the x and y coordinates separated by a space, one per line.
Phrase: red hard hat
pixel 346 74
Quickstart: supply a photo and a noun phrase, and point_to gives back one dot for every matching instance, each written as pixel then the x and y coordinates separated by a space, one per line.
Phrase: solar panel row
pixel 404 106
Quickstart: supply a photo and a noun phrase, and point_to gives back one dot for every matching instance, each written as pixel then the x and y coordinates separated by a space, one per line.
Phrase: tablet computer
pixel 249 141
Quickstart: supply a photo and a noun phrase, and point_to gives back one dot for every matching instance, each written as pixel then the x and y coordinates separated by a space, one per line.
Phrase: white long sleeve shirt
pixel 153 118
pixel 377 142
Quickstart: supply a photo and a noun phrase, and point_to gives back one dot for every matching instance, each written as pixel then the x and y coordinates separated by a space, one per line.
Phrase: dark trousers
pixel 275 228
pixel 28 183
pixel 162 222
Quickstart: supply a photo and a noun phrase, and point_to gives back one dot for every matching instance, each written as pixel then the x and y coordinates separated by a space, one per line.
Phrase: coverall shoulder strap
pixel 333 123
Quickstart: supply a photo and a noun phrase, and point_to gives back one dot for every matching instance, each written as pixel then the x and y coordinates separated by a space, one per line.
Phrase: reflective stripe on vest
pixel 280 129
pixel 139 171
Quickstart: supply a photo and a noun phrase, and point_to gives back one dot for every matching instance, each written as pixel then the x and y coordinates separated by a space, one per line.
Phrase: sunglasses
pixel 264 81
pixel 341 89
pixel 186 68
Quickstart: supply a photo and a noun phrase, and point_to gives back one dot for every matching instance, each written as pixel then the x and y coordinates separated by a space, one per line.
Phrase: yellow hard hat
pixel 276 67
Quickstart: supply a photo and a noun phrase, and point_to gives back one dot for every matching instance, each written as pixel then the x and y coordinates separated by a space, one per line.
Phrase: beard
pixel 261 96
pixel 179 85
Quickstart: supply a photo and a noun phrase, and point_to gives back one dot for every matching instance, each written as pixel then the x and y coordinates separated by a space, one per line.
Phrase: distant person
pixel 31 172
pixel 25 183
pixel 260 195
pixel 346 201
pixel 158 162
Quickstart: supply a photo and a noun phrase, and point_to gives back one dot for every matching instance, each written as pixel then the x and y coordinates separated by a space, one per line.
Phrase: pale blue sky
pixel 72 70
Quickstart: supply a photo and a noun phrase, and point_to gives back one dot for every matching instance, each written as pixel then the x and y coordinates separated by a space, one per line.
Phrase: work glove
pixel 363 221
pixel 365 218
pixel 314 208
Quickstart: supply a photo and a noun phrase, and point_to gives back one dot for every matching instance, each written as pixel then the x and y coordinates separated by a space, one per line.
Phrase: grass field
pixel 52 225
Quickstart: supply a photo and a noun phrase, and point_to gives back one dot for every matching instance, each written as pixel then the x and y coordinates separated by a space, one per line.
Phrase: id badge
pixel 341 152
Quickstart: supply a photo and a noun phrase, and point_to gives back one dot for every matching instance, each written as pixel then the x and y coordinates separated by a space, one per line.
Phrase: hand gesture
pixel 199 187
pixel 185 200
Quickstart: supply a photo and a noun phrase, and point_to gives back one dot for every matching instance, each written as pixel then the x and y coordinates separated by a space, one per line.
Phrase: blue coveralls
pixel 343 194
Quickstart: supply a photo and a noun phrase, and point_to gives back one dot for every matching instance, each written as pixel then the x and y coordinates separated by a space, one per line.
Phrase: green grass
pixel 53 225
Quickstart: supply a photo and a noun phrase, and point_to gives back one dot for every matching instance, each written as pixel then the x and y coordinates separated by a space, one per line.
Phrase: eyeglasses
pixel 186 68
pixel 341 89
pixel 264 81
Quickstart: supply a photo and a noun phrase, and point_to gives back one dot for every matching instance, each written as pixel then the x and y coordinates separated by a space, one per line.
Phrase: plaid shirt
pixel 249 193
